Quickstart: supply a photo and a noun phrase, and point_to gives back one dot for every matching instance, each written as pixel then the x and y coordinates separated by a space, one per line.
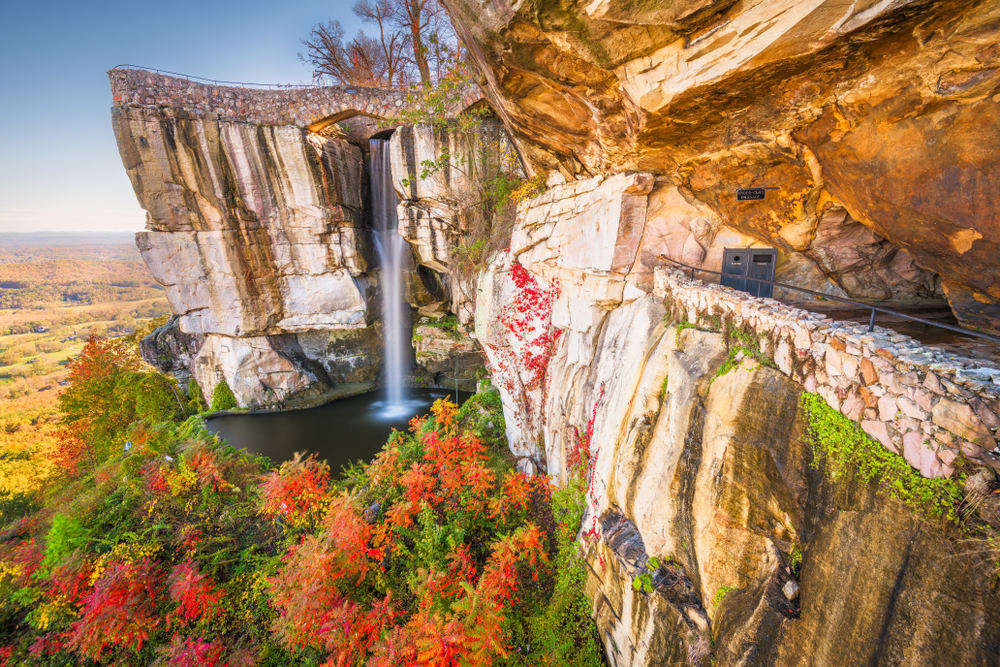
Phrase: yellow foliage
pixel 181 480
pixel 24 475
pixel 47 612
pixel 125 552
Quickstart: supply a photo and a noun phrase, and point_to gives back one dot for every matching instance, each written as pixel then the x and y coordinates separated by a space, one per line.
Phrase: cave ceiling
pixel 889 109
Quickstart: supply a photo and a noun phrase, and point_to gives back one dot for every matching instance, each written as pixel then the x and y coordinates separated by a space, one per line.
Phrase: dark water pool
pixel 350 429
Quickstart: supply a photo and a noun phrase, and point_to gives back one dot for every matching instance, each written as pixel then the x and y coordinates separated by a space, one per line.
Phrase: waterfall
pixel 390 247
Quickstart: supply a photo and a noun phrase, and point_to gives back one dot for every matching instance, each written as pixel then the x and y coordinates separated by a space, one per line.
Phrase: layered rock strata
pixel 447 353
pixel 711 476
pixel 259 236
pixel 881 111
pixel 708 471
pixel 441 175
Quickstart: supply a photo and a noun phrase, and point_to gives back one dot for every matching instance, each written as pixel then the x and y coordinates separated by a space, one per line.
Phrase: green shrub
pixel 848 452
pixel 222 397
pixel 66 536
pixel 196 399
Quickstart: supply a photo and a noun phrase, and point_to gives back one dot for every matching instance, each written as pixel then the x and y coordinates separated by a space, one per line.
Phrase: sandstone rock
pixel 724 95
pixel 868 373
pixel 446 352
pixel 887 408
pixel 791 589
pixel 258 235
pixel 170 350
pixel 879 431
pixel 960 419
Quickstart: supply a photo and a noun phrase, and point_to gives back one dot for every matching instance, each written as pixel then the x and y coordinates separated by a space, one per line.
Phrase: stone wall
pixel 300 106
pixel 917 401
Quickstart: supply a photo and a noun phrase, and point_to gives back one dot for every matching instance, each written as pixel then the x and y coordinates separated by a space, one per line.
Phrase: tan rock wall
pixel 710 474
pixel 258 235
pixel 713 478
pixel 885 111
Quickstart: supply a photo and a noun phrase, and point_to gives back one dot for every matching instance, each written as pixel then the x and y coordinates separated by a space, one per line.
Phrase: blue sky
pixel 59 165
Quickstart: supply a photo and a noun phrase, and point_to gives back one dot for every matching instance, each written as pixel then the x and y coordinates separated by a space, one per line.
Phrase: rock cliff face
pixel 440 175
pixel 260 237
pixel 875 120
pixel 713 478
pixel 707 470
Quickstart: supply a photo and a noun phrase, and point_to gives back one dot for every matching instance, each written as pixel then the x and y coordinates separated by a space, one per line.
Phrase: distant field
pixel 53 295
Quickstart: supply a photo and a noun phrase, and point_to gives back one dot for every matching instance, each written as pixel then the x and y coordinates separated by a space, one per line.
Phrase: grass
pixel 848 452
pixel 745 342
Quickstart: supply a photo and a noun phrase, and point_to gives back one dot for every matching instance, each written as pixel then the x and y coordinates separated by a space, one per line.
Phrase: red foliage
pixel 22 560
pixel 458 615
pixel 153 475
pixel 71 578
pixel 520 363
pixel 191 652
pixel 119 611
pixel 193 591
pixel 297 490
pixel 47 644
pixel 205 463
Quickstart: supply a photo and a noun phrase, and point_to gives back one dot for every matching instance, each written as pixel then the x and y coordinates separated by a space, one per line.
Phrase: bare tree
pixel 363 61
pixel 383 14
pixel 412 36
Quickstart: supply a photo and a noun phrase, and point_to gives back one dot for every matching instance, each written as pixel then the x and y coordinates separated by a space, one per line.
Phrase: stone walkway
pixel 919 401
pixel 312 108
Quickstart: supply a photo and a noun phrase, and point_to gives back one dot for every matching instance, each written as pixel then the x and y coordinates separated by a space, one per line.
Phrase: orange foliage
pixel 457 617
pixel 297 490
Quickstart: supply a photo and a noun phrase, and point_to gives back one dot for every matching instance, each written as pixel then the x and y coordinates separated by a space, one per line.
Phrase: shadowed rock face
pixel 715 480
pixel 886 111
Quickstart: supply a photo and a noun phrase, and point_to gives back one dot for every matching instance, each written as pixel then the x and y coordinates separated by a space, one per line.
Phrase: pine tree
pixel 222 397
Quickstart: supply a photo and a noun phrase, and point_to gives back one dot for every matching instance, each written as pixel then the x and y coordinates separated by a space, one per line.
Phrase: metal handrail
pixel 191 77
pixel 871 321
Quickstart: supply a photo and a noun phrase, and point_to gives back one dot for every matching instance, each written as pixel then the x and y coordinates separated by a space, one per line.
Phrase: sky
pixel 59 164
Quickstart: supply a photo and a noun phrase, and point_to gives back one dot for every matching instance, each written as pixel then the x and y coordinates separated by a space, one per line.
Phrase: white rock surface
pixel 257 234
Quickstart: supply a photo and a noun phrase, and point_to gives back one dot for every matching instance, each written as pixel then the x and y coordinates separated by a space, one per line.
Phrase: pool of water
pixel 340 432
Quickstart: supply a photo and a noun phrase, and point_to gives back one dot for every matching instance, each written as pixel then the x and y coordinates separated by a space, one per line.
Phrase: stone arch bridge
pixel 312 108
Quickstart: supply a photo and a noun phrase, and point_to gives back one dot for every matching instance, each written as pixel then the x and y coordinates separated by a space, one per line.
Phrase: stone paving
pixel 919 401
pixel 312 108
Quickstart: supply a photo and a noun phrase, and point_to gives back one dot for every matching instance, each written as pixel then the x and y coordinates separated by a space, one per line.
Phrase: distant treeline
pixel 11 239
pixel 74 282
pixel 16 252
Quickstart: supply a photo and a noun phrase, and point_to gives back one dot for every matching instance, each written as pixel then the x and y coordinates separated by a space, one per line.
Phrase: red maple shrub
pixel 430 549
pixel 297 490
pixel 120 611
pixel 196 596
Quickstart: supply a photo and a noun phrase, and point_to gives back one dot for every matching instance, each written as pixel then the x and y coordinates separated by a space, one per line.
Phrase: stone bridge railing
pixel 918 401
pixel 312 108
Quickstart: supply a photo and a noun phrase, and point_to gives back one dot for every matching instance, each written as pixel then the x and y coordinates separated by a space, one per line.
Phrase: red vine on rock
pixel 524 347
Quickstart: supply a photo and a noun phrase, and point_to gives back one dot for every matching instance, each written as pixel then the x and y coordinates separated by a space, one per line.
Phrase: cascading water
pixel 390 247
